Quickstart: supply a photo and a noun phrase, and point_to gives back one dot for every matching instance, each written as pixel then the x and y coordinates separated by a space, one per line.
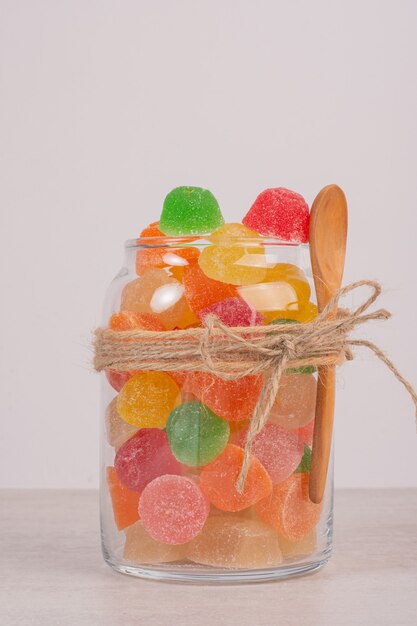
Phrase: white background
pixel 105 106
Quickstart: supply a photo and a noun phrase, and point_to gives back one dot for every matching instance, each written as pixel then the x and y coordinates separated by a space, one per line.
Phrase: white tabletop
pixel 52 573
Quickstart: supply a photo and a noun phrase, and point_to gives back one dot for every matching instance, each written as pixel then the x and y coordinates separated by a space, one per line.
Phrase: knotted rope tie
pixel 231 353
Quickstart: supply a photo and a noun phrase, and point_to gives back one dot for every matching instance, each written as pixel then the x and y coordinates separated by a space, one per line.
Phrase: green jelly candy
pixel 309 369
pixel 196 434
pixel 305 463
pixel 190 211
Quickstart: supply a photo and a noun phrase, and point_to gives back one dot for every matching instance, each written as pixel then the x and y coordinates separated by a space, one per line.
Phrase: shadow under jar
pixel 172 442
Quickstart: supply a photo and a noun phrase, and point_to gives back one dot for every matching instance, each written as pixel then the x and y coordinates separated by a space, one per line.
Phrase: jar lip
pixel 204 240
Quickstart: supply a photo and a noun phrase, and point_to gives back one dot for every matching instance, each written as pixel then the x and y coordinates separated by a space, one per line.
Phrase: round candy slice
pixel 143 457
pixel 147 399
pixel 173 509
pixel 295 404
pixel 218 481
pixel 278 449
pixel 279 213
pixel 196 434
pixel 289 509
pixel 124 501
pixel 190 211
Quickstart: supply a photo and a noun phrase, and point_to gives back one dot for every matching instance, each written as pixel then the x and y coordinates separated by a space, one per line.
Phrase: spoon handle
pixel 323 429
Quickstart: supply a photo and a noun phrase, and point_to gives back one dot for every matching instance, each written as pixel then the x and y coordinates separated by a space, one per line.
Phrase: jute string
pixel 231 353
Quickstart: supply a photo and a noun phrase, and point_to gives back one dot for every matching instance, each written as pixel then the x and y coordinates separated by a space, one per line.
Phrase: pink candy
pixel 143 457
pixel 173 509
pixel 233 312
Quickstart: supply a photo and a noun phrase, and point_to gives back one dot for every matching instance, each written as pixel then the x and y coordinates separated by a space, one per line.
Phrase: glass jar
pixel 172 442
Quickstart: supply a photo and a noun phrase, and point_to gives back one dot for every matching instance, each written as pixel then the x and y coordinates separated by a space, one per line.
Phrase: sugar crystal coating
pixel 278 449
pixel 190 211
pixel 143 457
pixel 218 481
pixel 196 434
pixel 227 541
pixel 289 509
pixel 147 399
pixel 279 213
pixel 173 509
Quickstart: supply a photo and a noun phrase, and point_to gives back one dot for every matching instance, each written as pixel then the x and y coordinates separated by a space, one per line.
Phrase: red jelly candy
pixel 233 312
pixel 279 213
pixel 118 379
pixel 173 509
pixel 143 457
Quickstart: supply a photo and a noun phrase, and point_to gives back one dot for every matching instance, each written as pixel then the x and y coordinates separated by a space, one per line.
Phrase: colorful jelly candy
pixel 233 312
pixel 152 230
pixel 157 293
pixel 295 403
pixel 279 213
pixel 140 548
pixel 232 231
pixel 118 379
pixel 173 509
pixel 218 481
pixel 233 400
pixel 147 399
pixel 190 211
pixel 128 320
pixel 201 291
pixel 305 433
pixel 295 549
pixel 305 315
pixel 164 257
pixel 278 449
pixel 124 501
pixel 234 261
pixel 289 509
pixel 117 430
pixel 143 457
pixel 305 463
pixel 226 541
pixel 196 434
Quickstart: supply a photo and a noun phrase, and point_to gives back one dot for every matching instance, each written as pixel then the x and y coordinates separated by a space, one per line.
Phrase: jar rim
pixel 204 240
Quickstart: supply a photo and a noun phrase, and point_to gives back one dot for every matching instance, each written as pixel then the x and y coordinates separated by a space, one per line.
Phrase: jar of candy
pixel 173 441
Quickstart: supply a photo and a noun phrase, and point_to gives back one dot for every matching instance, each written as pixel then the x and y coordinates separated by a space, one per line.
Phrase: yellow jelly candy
pixel 231 259
pixel 147 399
pixel 284 288
pixel 305 315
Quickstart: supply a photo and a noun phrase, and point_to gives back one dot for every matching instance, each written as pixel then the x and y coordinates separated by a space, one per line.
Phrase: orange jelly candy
pixel 202 291
pixel 165 257
pixel 125 501
pixel 128 320
pixel 152 230
pixel 289 509
pixel 218 481
pixel 234 400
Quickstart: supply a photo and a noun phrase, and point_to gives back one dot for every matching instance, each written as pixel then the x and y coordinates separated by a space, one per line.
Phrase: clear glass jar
pixel 172 443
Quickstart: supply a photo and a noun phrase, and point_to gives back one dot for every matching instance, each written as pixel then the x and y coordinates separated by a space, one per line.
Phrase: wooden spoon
pixel 328 232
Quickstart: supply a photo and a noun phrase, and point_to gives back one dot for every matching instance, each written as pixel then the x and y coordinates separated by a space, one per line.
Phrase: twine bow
pixel 231 353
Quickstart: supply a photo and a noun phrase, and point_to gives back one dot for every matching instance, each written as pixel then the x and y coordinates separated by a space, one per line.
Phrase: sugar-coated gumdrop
pixel 228 541
pixel 232 231
pixel 285 288
pixel 305 315
pixel 157 293
pixel 118 379
pixel 289 509
pixel 233 312
pixel 128 320
pixel 305 463
pixel 296 401
pixel 196 434
pixel 140 548
pixel 173 509
pixel 279 213
pixel 147 399
pixel 305 433
pixel 190 211
pixel 295 549
pixel 201 291
pixel 278 449
pixel 218 481
pixel 233 400
pixel 152 230
pixel 117 430
pixel 164 257
pixel 124 501
pixel 232 260
pixel 143 457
